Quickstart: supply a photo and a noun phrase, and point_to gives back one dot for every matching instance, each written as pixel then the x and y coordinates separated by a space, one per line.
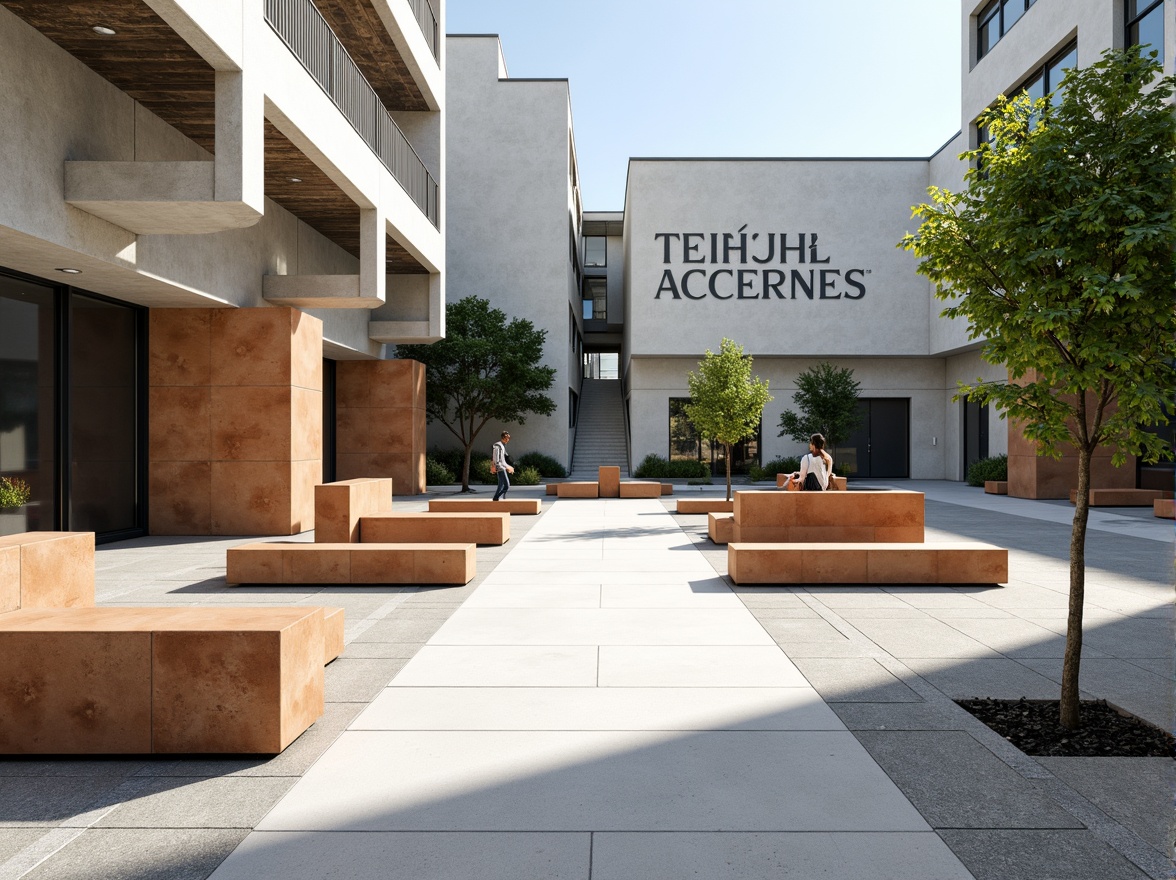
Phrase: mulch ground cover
pixel 1105 732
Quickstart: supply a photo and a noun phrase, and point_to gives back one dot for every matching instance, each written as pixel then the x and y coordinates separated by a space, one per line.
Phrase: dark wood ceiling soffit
pixel 144 58
pixel 362 32
pixel 301 187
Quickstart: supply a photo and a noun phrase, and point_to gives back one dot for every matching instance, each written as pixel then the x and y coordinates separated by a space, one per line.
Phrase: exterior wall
pixel 235 421
pixel 380 422
pixel 508 147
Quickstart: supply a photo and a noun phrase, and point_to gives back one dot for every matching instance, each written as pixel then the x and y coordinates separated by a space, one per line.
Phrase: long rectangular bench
pixel 520 506
pixel 865 516
pixel 339 506
pixel 578 489
pixel 638 489
pixel 1122 497
pixel 425 528
pixel 705 505
pixel 280 562
pixel 996 487
pixel 160 680
pixel 1165 508
pixel 880 563
pixel 46 570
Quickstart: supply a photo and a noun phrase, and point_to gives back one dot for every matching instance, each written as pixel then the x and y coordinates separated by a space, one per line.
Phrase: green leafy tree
pixel 827 397
pixel 1059 255
pixel 486 368
pixel 726 401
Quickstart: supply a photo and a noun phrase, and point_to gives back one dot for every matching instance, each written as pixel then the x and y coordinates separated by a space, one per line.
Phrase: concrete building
pixel 794 258
pixel 215 215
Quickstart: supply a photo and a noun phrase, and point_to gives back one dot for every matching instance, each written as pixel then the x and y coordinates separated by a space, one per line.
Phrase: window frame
pixel 1129 22
pixel 603 264
pixel 996 9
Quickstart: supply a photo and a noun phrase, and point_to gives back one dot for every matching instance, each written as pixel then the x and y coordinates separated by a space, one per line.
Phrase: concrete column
pixel 380 422
pixel 235 421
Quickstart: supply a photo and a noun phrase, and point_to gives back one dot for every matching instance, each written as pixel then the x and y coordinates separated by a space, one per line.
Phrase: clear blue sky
pixel 734 77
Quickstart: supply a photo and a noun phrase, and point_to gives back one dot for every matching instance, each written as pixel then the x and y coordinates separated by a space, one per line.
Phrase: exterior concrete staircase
pixel 600 433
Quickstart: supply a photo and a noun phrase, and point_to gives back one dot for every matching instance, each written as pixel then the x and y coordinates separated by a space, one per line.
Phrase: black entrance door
pixel 880 447
pixel 975 433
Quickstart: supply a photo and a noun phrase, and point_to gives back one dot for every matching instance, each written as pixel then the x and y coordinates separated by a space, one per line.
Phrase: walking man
pixel 498 459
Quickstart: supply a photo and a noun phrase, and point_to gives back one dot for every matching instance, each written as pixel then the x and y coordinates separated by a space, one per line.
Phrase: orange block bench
pixel 46 570
pixel 1165 508
pixel 637 489
pixel 881 563
pixel 996 487
pixel 839 484
pixel 278 562
pixel 667 488
pixel 705 505
pixel 609 481
pixel 1122 497
pixel 440 528
pixel 721 527
pixel 522 506
pixel 339 506
pixel 867 516
pixel 160 680
pixel 582 489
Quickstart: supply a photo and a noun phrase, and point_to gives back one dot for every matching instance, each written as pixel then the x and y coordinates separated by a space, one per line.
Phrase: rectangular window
pixel 994 22
pixel 595 299
pixel 1145 24
pixel 686 444
pixel 595 250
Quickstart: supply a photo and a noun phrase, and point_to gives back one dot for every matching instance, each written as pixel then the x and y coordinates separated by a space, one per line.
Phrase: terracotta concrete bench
pixel 867 516
pixel 837 484
pixel 160 680
pixel 608 480
pixel 667 488
pixel 705 505
pixel 638 489
pixel 583 489
pixel 882 563
pixel 278 562
pixel 721 527
pixel 996 487
pixel 440 528
pixel 46 570
pixel 521 506
pixel 1122 497
pixel 1165 508
pixel 339 506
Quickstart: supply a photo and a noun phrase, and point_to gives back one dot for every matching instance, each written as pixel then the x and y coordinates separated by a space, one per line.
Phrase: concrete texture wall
pixel 509 220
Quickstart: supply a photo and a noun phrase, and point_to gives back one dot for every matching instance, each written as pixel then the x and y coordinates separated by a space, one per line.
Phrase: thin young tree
pixel 726 401
pixel 485 369
pixel 1059 255
pixel 827 398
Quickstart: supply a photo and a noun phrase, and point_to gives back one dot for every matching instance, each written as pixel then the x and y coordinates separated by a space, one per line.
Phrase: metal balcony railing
pixel 303 29
pixel 427 19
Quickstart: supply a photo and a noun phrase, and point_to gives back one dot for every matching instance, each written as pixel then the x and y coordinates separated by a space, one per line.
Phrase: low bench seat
pixel 705 505
pixel 996 487
pixel 46 570
pixel 338 506
pixel 1165 508
pixel 636 489
pixel 160 680
pixel 861 516
pixel 286 562
pixel 1122 497
pixel 426 528
pixel 520 506
pixel 578 489
pixel 721 527
pixel 876 563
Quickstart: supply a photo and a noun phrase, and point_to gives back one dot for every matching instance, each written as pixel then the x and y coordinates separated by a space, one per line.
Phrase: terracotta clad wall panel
pixel 380 422
pixel 181 347
pixel 181 498
pixel 251 347
pixel 251 498
pixel 306 351
pixel 251 423
pixel 181 423
pixel 306 424
pixel 304 476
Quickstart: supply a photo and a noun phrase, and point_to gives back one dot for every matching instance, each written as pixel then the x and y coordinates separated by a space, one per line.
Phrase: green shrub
pixel 702 482
pixel 995 468
pixel 14 492
pixel 654 467
pixel 775 466
pixel 525 476
pixel 544 464
pixel 437 474
pixel 480 471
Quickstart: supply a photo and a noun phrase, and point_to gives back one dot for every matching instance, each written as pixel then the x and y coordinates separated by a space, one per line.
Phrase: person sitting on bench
pixel 816 468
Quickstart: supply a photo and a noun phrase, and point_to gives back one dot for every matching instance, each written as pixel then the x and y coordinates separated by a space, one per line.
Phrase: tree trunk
pixel 1068 715
pixel 727 455
pixel 465 470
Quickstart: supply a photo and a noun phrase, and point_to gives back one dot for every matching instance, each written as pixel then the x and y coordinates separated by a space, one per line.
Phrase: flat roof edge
pixel 779 158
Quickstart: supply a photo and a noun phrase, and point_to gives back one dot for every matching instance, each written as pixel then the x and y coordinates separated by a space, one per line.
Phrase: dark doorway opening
pixel 328 421
pixel 975 433
pixel 881 446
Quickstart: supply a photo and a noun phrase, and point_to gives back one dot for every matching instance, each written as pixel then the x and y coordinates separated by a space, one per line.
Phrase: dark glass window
pixel 28 395
pixel 1145 24
pixel 686 444
pixel 595 250
pixel 1044 81
pixel 595 299
pixel 994 22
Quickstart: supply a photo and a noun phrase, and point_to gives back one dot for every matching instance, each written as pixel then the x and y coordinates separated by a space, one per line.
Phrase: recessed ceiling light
pixel 294 179
pixel 68 271
pixel 103 30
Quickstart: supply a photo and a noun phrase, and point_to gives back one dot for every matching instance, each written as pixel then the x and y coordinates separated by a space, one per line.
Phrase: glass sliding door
pixel 28 393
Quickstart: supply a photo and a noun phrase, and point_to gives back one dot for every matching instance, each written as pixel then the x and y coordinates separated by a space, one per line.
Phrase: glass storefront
pixel 72 409
pixel 686 443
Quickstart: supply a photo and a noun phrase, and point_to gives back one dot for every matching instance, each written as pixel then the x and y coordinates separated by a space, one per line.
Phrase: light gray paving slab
pixel 195 802
pixel 957 783
pixel 780 856
pixel 601 626
pixel 30 801
pixel 858 680
pixel 408 856
pixel 394 630
pixel 1009 636
pixel 18 766
pixel 140 854
pixel 1120 682
pixel 1000 678
pixel 601 708
pixel 381 650
pixel 546 595
pixel 599 781
pixel 350 680
pixel 921 638
pixel 13 840
pixel 896 716
pixel 787 632
pixel 696 594
pixel 697 666
pixel 500 666
pixel 1038 855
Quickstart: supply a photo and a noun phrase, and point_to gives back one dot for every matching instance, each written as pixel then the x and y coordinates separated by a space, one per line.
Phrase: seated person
pixel 816 468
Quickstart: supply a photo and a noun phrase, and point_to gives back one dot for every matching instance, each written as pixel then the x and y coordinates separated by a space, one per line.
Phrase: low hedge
pixel 656 467
pixel 994 468
pixel 787 465
pixel 437 474
pixel 544 465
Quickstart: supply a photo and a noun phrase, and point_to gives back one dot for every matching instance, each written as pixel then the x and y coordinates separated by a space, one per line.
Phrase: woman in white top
pixel 815 468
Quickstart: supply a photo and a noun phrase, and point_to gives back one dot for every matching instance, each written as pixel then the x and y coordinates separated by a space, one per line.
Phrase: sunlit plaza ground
pixel 601 702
